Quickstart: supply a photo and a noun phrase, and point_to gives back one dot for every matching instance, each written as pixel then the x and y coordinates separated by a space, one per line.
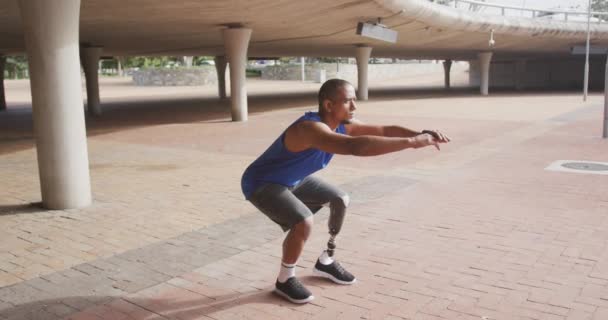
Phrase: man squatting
pixel 279 182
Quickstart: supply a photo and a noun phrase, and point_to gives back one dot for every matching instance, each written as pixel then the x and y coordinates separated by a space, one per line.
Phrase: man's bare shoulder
pixel 300 136
pixel 306 128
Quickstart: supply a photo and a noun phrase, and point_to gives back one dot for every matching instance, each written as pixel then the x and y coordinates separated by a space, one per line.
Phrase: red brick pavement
pixel 481 232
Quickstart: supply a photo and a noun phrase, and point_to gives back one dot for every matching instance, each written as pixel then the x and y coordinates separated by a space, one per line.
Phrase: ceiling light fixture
pixel 376 30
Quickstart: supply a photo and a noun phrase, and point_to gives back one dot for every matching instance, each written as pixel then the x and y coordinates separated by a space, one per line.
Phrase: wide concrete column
pixel 447 66
pixel 236 42
pixel 484 68
pixel 220 67
pixel 51 38
pixel 89 57
pixel 362 55
pixel 2 96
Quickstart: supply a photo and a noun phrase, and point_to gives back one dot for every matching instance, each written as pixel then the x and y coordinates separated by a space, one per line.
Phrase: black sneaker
pixel 335 272
pixel 294 291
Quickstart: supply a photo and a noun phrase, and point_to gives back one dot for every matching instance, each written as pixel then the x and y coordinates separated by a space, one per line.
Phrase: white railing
pixel 504 10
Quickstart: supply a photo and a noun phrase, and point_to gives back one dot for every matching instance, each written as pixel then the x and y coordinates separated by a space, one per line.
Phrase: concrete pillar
pixel 520 74
pixel 484 68
pixel 51 38
pixel 119 64
pixel 2 96
pixel 188 61
pixel 303 68
pixel 220 67
pixel 605 124
pixel 447 66
pixel 236 42
pixel 362 55
pixel 89 57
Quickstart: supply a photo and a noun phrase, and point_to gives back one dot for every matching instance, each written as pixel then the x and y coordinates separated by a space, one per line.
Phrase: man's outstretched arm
pixel 358 128
pixel 319 136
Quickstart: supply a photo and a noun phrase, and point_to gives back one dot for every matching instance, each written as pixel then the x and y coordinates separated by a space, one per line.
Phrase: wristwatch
pixel 432 133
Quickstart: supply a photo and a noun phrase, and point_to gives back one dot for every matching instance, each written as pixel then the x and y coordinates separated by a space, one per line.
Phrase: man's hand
pixel 440 137
pixel 430 137
pixel 424 140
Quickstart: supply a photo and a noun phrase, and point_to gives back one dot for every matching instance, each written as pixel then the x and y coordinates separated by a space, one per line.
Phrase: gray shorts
pixel 289 206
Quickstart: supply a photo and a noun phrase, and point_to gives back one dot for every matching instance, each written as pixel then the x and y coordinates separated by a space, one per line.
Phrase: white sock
pixel 325 259
pixel 287 271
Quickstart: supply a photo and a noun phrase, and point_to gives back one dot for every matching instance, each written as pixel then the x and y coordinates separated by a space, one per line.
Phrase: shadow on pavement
pixel 35 207
pixel 109 307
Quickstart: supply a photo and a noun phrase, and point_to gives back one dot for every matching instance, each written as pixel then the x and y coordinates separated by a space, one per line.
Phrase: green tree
pixel 109 64
pixel 16 67
pixel 202 60
pixel 328 60
pixel 444 2
pixel 600 6
pixel 152 62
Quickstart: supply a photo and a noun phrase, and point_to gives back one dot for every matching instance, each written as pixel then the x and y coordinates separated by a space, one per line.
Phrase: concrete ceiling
pixel 306 28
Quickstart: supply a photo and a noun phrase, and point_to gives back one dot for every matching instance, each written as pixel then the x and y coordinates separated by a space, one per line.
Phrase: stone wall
pixel 176 77
pixel 546 73
pixel 349 71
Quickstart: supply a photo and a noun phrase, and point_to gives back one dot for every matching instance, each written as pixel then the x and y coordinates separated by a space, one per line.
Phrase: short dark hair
pixel 329 89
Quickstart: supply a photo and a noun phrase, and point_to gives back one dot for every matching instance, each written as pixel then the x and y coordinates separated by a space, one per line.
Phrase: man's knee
pixel 340 202
pixel 303 228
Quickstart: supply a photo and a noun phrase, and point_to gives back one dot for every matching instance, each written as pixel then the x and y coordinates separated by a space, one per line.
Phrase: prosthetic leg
pixel 326 266
pixel 337 210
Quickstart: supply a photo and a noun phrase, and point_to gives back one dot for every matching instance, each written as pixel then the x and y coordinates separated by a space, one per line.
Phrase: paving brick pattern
pixel 476 231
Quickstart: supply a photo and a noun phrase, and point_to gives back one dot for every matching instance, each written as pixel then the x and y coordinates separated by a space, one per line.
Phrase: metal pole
pixel 586 80
pixel 303 69
pixel 605 131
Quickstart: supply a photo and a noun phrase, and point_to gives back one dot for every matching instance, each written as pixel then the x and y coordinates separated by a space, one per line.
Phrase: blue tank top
pixel 281 166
